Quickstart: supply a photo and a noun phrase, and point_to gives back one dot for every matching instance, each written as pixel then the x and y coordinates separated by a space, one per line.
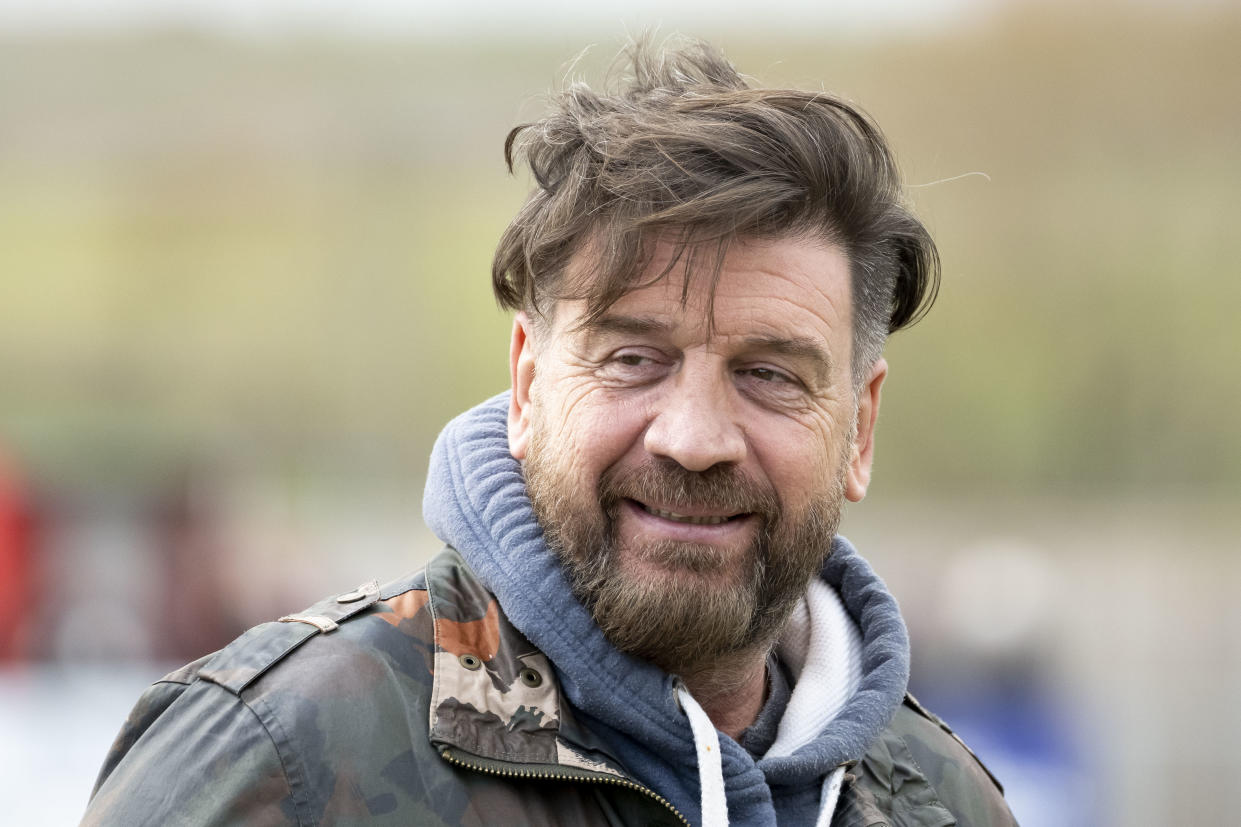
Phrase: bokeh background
pixel 244 254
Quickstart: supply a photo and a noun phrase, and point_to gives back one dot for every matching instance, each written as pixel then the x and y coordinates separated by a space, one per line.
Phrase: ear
pixel 521 374
pixel 858 478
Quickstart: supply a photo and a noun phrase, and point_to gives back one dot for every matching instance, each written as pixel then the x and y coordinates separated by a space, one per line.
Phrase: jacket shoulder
pixel 190 750
pixel 248 658
pixel 236 735
pixel 150 706
pixel 919 765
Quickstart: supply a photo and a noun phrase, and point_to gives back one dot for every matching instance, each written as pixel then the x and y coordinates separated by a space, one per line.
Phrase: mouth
pixel 688 519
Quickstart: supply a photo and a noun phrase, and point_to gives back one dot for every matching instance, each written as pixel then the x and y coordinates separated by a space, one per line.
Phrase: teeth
pixel 685 518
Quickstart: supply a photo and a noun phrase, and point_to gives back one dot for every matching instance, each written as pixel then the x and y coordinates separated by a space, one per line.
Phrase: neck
pixel 732 691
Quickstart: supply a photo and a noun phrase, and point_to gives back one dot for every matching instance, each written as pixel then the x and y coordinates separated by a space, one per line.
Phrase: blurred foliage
pixel 278 250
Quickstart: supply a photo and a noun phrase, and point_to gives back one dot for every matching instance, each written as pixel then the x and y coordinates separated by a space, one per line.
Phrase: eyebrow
pixel 612 323
pixel 801 348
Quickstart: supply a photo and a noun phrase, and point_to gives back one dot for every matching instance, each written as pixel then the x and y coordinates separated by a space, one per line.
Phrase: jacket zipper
pixel 601 779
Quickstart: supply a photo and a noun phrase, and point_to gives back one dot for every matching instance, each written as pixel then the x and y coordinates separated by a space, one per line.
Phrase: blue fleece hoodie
pixel 476 501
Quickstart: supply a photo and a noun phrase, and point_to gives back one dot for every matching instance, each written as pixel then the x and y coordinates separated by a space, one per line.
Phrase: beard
pixel 691 617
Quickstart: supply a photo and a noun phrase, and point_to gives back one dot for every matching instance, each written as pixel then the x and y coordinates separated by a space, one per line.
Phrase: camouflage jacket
pixel 419 703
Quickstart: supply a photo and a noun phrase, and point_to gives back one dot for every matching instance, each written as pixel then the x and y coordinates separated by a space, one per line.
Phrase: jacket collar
pixel 494 695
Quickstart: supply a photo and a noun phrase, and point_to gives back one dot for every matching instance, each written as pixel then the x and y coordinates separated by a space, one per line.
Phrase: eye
pixel 632 360
pixel 767 375
pixel 770 386
pixel 632 366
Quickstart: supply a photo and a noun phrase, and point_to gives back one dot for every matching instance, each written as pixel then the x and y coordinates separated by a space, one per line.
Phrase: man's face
pixel 688 459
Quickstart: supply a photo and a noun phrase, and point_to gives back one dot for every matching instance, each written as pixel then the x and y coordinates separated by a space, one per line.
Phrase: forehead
pixel 792 287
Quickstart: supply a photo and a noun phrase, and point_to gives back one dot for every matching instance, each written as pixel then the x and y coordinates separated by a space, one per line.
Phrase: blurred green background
pixel 244 282
pixel 285 243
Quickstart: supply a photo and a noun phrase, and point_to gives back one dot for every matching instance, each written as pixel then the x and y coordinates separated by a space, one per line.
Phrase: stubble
pixel 697 614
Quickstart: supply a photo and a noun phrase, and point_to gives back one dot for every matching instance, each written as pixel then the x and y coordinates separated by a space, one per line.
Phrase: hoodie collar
pixel 476 501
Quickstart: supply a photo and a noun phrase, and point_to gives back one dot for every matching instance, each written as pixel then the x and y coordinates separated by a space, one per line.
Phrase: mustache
pixel 667 484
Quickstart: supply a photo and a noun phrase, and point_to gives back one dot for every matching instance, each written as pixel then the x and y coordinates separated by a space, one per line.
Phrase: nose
pixel 695 424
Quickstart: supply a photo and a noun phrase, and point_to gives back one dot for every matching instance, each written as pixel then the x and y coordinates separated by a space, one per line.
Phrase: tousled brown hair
pixel 686 150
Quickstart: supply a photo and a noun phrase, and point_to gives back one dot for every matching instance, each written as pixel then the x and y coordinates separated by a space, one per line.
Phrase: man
pixel 644 615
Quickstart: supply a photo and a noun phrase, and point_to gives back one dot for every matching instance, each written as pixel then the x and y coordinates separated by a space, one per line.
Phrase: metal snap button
pixel 471 662
pixel 530 677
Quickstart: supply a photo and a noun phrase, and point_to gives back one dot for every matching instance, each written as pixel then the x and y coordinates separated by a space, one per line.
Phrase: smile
pixel 685 518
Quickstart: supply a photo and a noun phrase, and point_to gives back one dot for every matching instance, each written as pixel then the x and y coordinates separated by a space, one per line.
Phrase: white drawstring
pixel 829 796
pixel 710 769
pixel 824 647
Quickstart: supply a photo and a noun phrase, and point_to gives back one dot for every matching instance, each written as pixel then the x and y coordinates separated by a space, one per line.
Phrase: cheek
pixel 798 478
pixel 584 434
pixel 601 418
pixel 568 404
pixel 802 461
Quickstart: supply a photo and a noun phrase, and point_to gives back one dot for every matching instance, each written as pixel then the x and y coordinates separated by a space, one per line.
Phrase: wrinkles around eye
pixel 771 387
pixel 631 366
